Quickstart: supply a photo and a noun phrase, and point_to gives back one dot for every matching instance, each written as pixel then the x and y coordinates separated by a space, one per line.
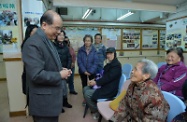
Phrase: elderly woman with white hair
pixel 143 102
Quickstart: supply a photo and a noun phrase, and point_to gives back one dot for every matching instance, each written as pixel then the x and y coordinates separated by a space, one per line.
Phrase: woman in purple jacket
pixel 87 60
pixel 171 76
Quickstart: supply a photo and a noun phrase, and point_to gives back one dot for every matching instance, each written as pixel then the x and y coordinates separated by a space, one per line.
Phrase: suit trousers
pixel 64 88
pixel 45 119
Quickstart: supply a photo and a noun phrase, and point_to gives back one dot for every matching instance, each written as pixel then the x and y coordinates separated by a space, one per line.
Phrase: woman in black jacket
pixel 65 58
pixel 108 82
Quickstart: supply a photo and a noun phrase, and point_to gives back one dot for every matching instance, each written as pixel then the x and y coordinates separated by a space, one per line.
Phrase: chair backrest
pixel 121 83
pixel 127 69
pixel 120 87
pixel 177 106
pixel 160 64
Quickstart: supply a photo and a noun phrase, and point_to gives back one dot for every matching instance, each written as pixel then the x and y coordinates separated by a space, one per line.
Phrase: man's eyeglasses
pixel 56 28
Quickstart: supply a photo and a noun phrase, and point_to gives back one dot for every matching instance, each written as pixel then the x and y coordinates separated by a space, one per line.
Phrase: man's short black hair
pixel 98 34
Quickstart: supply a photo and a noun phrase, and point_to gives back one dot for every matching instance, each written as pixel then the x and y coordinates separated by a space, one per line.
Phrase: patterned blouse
pixel 180 118
pixel 143 102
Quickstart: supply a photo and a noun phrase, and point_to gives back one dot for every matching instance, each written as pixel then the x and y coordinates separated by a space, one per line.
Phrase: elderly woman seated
pixel 172 75
pixel 108 83
pixel 143 102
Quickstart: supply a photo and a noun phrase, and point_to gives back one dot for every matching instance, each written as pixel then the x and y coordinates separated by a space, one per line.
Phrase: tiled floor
pixel 74 114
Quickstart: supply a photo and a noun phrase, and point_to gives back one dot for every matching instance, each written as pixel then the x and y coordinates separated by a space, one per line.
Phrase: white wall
pixel 17 100
pixel 2 68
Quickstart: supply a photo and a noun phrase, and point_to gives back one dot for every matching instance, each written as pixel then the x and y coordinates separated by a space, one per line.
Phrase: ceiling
pixel 145 11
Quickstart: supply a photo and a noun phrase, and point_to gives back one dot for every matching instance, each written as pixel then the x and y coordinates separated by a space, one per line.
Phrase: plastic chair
pixel 127 69
pixel 177 106
pixel 160 64
pixel 104 108
pixel 122 81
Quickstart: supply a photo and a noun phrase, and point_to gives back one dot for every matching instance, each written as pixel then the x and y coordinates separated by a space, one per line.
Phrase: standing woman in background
pixel 87 60
pixel 73 57
pixel 65 58
pixel 31 29
pixel 101 51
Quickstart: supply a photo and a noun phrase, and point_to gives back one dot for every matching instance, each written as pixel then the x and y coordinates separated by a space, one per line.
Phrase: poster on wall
pixel 111 37
pixel 149 39
pixel 29 19
pixel 9 30
pixel 30 15
pixel 176 34
pixel 8 18
pixel 131 39
pixel 162 39
pixel 76 35
pixel 6 36
pixel 1 42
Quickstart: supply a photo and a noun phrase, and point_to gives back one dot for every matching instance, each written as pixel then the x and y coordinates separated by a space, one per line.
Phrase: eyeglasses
pixel 56 28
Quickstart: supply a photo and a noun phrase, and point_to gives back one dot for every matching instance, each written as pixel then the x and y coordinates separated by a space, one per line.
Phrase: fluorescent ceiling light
pixel 87 13
pixel 126 15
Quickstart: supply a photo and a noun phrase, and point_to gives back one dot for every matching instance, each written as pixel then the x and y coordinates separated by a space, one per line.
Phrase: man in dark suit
pixel 44 72
pixel 108 82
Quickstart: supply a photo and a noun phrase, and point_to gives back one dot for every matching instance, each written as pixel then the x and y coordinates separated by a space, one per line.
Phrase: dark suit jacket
pixel 43 78
pixel 109 82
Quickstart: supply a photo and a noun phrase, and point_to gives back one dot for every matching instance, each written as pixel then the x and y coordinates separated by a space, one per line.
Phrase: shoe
pixel 95 115
pixel 67 105
pixel 73 92
pixel 62 111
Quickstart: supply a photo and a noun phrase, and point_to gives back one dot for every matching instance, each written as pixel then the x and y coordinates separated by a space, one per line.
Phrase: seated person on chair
pixel 183 116
pixel 172 75
pixel 108 83
pixel 143 102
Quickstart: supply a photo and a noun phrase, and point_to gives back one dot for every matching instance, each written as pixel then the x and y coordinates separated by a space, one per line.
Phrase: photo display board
pixel 111 37
pixel 131 39
pixel 76 35
pixel 162 39
pixel 176 34
pixel 9 30
pixel 149 39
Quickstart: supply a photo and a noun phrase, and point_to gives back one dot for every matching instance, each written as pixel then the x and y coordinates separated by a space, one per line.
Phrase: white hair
pixel 149 67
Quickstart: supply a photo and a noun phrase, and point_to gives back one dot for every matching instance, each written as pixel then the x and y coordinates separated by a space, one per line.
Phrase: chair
pixel 160 64
pixel 177 106
pixel 104 108
pixel 127 69
pixel 122 81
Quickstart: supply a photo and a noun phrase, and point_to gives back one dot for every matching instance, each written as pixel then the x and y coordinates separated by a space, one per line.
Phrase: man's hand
pixel 65 73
